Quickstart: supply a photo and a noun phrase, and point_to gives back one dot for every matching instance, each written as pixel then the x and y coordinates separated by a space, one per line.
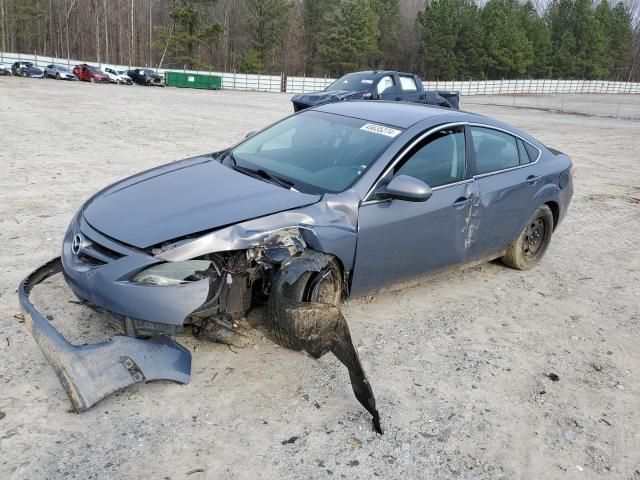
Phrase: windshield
pixel 62 68
pixel 92 69
pixel 353 81
pixel 317 152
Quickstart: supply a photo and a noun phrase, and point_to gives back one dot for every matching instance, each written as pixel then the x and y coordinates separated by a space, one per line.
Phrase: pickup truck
pixel 377 85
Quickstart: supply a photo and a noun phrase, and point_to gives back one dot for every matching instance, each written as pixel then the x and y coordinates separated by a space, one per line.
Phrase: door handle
pixel 461 202
pixel 532 179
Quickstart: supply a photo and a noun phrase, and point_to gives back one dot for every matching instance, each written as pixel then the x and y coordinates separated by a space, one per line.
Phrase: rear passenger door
pixel 411 91
pixel 506 185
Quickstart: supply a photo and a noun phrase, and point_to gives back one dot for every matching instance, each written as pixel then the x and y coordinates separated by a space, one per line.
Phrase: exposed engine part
pixel 222 329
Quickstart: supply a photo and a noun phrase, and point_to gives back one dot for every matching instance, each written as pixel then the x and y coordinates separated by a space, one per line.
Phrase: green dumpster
pixel 193 80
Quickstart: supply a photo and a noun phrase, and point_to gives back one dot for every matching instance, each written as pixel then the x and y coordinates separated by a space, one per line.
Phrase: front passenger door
pixel 400 239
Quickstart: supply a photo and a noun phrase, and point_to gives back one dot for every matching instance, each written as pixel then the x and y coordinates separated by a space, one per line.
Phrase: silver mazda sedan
pixel 338 200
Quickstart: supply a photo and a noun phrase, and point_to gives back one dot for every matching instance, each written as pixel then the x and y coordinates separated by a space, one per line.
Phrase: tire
pixel 57 76
pixel 92 80
pixel 310 287
pixel 527 250
pixel 324 286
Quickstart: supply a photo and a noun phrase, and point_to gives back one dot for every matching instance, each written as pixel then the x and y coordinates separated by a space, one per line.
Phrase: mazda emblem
pixel 76 245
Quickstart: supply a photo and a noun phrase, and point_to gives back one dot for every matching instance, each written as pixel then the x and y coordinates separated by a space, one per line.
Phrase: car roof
pixel 398 114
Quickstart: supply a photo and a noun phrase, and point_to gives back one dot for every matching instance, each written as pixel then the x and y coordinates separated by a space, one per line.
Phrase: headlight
pixel 174 273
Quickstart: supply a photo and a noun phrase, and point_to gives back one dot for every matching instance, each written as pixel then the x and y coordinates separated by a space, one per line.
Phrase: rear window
pixel 408 84
pixel 495 150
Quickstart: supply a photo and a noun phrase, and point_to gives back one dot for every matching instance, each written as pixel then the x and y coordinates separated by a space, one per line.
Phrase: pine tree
pixel 351 41
pixel 538 35
pixel 191 29
pixel 507 49
pixel 267 23
pixel 620 36
pixel 315 15
pixel 388 12
pixel 439 34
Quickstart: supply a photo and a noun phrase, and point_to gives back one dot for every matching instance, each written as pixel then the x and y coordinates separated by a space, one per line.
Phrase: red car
pixel 89 73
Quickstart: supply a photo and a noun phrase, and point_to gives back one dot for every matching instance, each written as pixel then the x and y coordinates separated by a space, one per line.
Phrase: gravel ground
pixel 458 363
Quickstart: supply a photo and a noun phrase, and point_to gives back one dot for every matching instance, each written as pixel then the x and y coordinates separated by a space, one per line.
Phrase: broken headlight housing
pixel 173 273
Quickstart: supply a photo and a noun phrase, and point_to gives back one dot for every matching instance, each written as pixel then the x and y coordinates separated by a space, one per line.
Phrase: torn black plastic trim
pixel 317 328
pixel 90 372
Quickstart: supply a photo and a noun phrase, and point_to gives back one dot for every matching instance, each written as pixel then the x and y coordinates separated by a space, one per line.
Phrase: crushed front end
pixel 155 293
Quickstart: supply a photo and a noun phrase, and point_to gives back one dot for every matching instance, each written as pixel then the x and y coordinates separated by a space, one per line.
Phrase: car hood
pixel 184 198
pixel 317 98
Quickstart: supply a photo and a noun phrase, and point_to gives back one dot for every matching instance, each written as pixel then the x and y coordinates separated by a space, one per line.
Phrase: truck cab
pixel 377 85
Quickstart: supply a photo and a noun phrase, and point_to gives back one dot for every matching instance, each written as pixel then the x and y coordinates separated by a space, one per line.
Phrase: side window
pixel 494 150
pixel 438 159
pixel 522 152
pixel 408 84
pixel 532 151
pixel 386 85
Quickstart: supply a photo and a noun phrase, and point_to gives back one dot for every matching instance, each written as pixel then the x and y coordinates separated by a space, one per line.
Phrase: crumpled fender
pixel 317 328
pixel 90 372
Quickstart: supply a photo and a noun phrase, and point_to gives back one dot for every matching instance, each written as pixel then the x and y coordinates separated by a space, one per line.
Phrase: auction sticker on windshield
pixel 380 130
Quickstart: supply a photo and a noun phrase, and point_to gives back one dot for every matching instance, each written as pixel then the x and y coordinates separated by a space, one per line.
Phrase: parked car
pixel 59 72
pixel 146 77
pixel 118 76
pixel 89 73
pixel 377 85
pixel 192 245
pixel 26 69
pixel 5 70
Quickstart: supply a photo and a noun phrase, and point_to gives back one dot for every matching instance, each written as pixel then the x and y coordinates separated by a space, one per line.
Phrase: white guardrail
pixel 278 83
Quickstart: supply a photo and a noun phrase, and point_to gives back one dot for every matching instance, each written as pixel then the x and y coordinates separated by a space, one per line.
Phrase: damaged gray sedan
pixel 338 200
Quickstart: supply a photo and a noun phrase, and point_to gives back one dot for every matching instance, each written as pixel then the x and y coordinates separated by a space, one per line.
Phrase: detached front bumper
pixel 90 372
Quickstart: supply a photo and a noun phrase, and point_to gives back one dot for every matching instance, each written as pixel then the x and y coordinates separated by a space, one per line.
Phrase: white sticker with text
pixel 380 130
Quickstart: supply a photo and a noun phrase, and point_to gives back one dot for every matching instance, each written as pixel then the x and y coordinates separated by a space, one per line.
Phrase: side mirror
pixel 250 134
pixel 404 187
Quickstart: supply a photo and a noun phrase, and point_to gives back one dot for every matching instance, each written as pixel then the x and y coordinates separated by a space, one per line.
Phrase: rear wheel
pixel 527 250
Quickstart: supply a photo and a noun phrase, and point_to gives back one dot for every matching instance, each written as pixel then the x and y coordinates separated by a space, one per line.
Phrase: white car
pixel 118 76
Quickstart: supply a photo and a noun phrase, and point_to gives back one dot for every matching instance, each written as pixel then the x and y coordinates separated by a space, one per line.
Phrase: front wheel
pixel 57 76
pixel 324 286
pixel 527 250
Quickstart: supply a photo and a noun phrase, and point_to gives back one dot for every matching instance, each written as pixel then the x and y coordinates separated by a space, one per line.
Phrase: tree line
pixel 439 39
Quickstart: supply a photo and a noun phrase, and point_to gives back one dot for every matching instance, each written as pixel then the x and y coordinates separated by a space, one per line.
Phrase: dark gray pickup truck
pixel 377 85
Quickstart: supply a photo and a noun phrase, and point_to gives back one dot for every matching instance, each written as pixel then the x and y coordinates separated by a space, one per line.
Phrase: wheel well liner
pixel 555 210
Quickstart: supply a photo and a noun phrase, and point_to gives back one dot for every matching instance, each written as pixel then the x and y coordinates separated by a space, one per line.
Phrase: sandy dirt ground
pixel 591 104
pixel 458 363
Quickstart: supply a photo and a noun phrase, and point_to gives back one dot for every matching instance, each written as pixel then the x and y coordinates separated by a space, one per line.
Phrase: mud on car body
pixel 335 201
